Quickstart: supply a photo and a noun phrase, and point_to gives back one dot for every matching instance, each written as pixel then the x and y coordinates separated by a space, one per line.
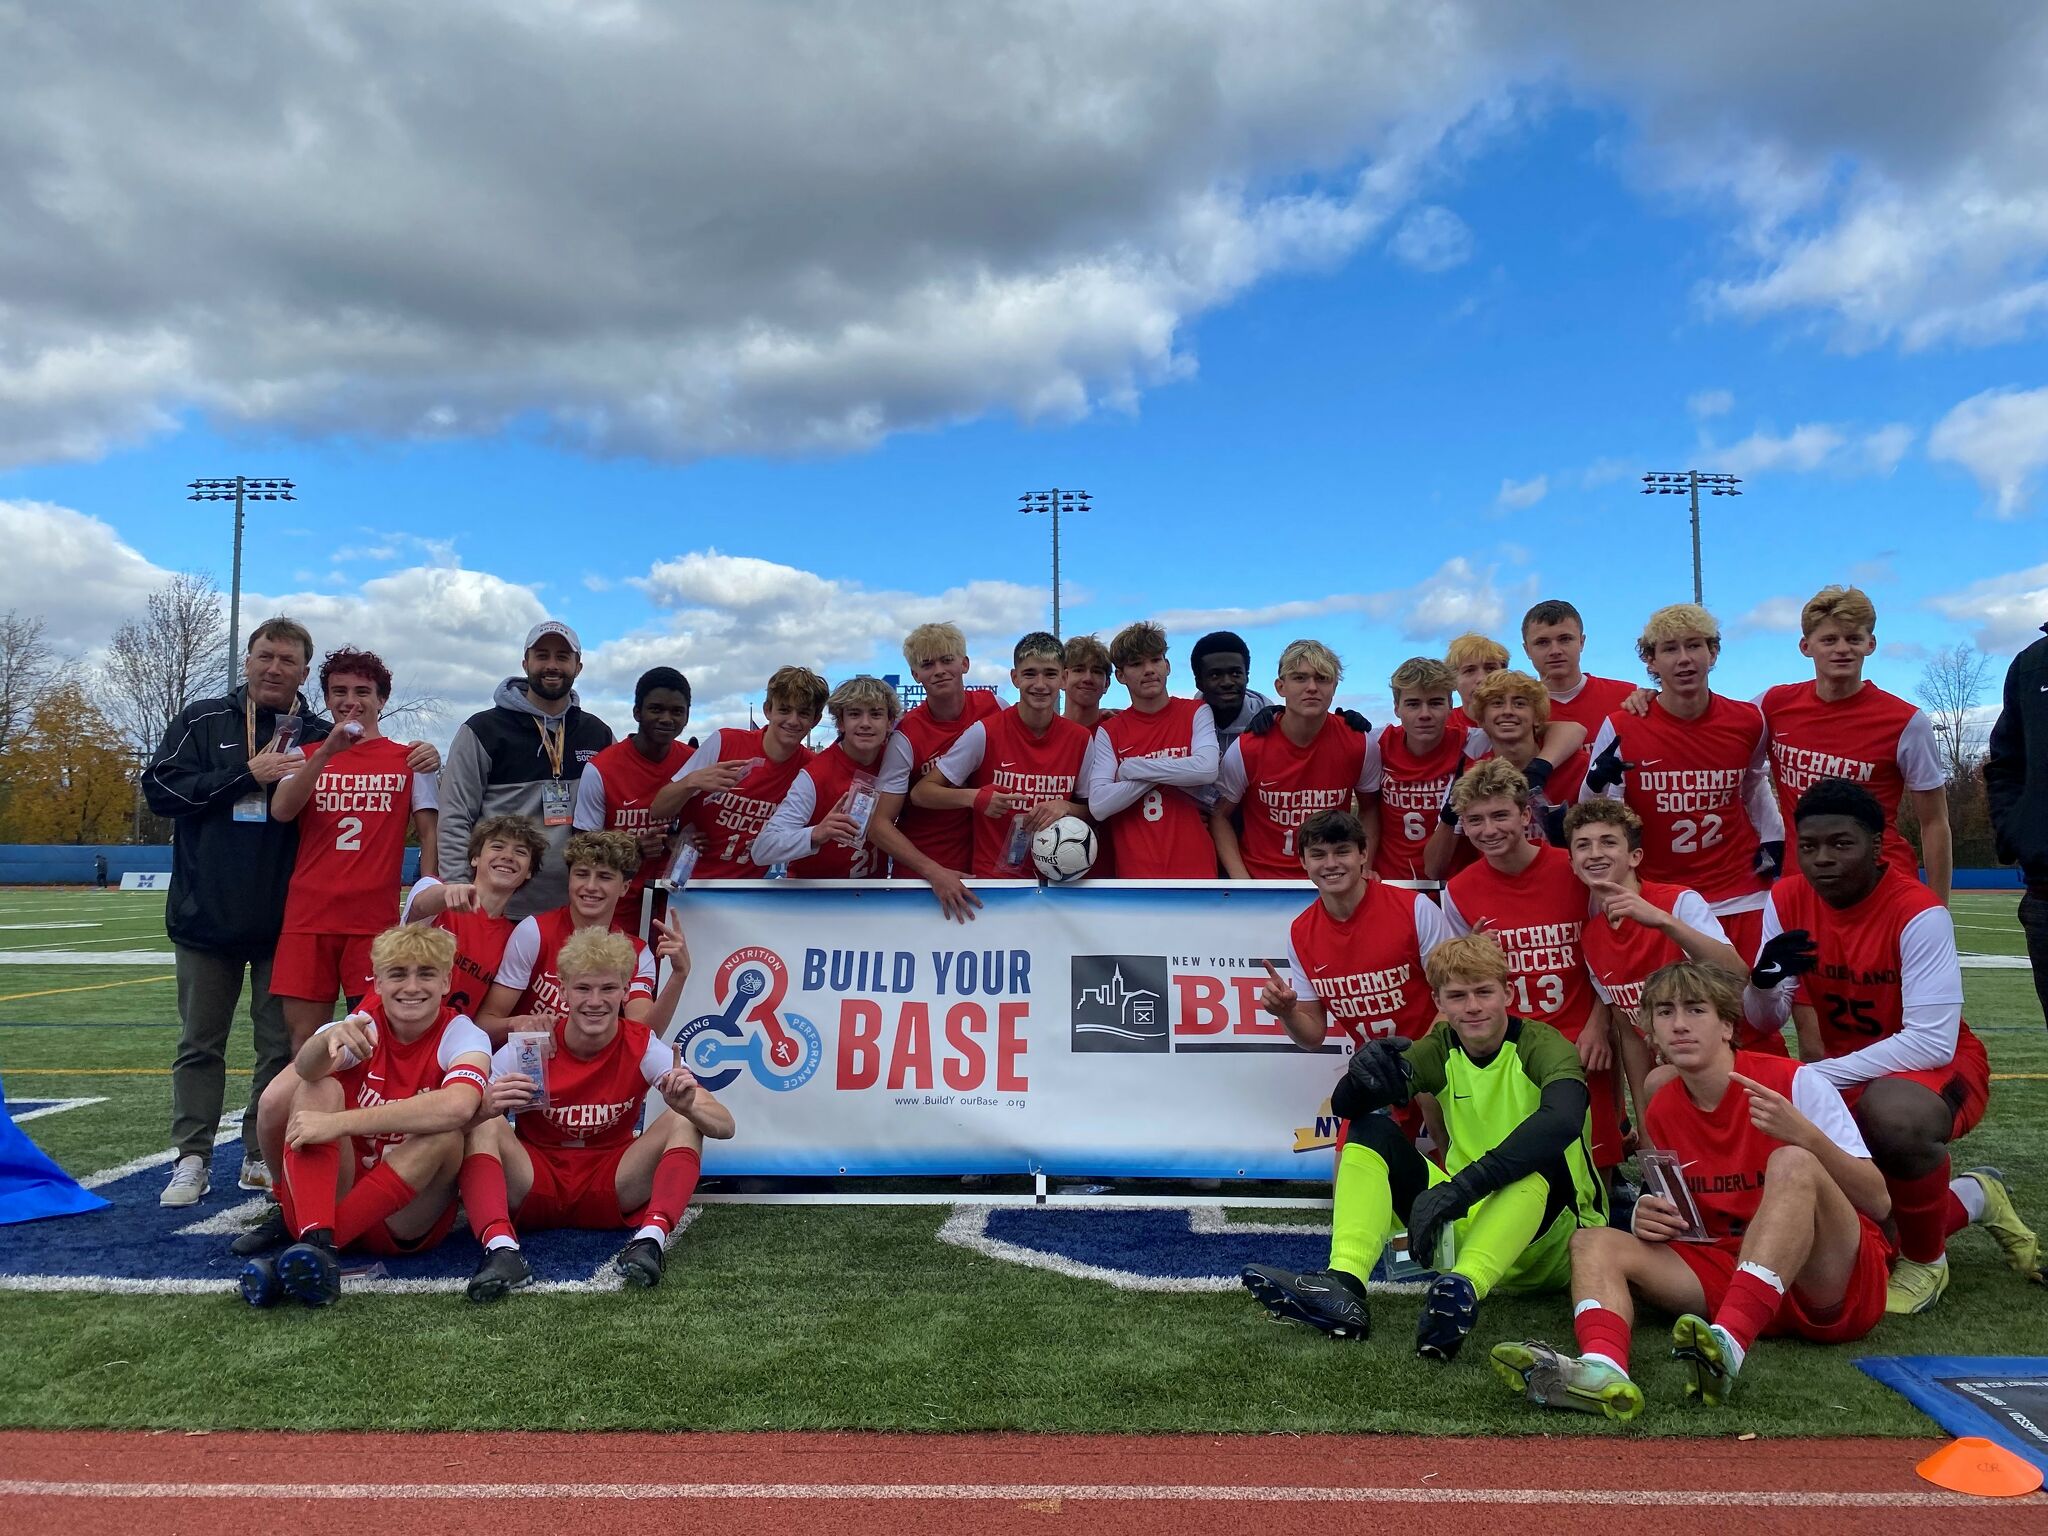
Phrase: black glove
pixel 1263 722
pixel 1380 1072
pixel 1355 720
pixel 1435 1209
pixel 1791 953
pixel 1608 769
pixel 1770 859
pixel 1538 774
pixel 1448 816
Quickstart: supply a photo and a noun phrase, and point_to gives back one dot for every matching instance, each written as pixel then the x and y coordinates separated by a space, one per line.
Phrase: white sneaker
pixel 255 1173
pixel 189 1182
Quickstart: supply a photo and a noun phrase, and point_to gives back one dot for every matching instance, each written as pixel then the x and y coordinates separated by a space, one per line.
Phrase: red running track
pixel 962 1485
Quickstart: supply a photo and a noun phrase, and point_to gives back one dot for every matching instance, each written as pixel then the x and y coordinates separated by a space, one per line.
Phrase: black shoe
pixel 1449 1309
pixel 640 1262
pixel 503 1271
pixel 1317 1298
pixel 267 1234
pixel 258 1282
pixel 309 1270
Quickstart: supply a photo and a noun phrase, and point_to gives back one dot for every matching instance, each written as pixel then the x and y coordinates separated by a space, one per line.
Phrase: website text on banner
pixel 1112 1030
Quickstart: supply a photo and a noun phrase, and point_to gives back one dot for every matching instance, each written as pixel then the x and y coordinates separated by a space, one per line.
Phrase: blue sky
pixel 1417 424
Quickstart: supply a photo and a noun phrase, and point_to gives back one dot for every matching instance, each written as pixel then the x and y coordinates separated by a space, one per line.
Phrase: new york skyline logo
pixel 1119 1003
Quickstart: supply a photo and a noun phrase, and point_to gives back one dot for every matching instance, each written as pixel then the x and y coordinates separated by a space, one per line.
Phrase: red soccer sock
pixel 1601 1332
pixel 1747 1307
pixel 484 1199
pixel 1927 1214
pixel 313 1174
pixel 378 1195
pixel 675 1180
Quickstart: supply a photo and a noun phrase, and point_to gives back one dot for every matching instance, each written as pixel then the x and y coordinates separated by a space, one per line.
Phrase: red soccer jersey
pixel 1367 970
pixel 1597 698
pixel 352 842
pixel 479 947
pixel 625 780
pixel 1279 786
pixel 1412 791
pixel 944 836
pixel 832 773
pixel 1872 738
pixel 536 944
pixel 593 1101
pixel 1001 753
pixel 1857 987
pixel 730 822
pixel 1691 784
pixel 1538 917
pixel 1164 836
pixel 1724 1155
pixel 404 1069
pixel 1622 955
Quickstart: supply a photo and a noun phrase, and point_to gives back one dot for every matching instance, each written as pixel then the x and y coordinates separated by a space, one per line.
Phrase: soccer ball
pixel 1065 850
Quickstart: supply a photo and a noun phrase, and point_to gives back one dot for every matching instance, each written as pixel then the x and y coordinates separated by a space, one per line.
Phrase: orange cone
pixel 1983 1467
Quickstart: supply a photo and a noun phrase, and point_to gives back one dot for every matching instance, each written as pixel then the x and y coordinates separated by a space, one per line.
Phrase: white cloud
pixel 1882 449
pixel 1710 402
pixel 1456 597
pixel 2001 438
pixel 1802 449
pixel 1772 616
pixel 1518 495
pixel 1432 239
pixel 75 571
pixel 1605 472
pixel 2006 611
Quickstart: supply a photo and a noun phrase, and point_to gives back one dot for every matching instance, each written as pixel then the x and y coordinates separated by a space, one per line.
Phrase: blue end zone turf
pixel 2004 1398
pixel 137 1245
pixel 31 1186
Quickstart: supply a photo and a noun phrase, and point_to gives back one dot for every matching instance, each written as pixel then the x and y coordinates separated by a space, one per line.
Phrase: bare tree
pixel 1950 687
pixel 27 670
pixel 161 662
pixel 418 711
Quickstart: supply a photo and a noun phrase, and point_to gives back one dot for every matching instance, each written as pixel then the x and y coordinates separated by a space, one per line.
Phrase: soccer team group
pixel 1554 918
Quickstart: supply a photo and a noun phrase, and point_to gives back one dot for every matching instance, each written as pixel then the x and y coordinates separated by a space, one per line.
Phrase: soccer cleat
pixel 2001 1219
pixel 503 1271
pixel 640 1262
pixel 1449 1309
pixel 1708 1355
pixel 1316 1297
pixel 189 1181
pixel 1915 1287
pixel 1550 1379
pixel 310 1272
pixel 258 1282
pixel 269 1233
pixel 255 1175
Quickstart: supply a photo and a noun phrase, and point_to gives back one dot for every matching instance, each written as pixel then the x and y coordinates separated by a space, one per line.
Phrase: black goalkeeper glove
pixel 1770 859
pixel 1263 722
pixel 1380 1072
pixel 1355 720
pixel 1608 769
pixel 1435 1209
pixel 1538 774
pixel 1448 816
pixel 1791 953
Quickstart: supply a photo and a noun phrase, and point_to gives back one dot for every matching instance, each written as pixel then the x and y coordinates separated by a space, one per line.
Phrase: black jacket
pixel 228 877
pixel 2016 770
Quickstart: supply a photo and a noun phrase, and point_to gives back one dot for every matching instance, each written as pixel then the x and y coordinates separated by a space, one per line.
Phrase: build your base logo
pixel 949 1025
pixel 1172 1005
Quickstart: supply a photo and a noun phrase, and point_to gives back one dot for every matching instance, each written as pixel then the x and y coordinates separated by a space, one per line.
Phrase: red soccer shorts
pixel 319 966
pixel 380 1239
pixel 1860 1309
pixel 1965 1084
pixel 572 1187
pixel 1745 932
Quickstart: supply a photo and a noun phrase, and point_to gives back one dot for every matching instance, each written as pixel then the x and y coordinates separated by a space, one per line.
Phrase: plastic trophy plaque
pixel 285 736
pixel 530 1052
pixel 1664 1177
pixel 1018 849
pixel 860 805
pixel 682 866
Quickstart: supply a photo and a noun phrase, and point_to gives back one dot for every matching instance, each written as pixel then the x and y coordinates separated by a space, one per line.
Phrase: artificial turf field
pixel 810 1317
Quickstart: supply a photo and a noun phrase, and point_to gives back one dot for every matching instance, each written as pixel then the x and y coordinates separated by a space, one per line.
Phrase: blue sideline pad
pixel 2001 1397
pixel 32 1188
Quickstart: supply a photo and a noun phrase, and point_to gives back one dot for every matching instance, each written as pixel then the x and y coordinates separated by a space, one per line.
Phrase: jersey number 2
pixel 348 835
pixel 1688 836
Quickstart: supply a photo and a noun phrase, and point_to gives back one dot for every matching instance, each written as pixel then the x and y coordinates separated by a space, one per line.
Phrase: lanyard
pixel 554 746
pixel 249 716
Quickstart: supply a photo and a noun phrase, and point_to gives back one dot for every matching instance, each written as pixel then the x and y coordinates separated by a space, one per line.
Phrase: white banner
pixel 1109 1029
pixel 153 880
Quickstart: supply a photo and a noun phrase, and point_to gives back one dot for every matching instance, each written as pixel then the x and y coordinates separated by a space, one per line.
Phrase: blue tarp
pixel 2004 1398
pixel 31 1186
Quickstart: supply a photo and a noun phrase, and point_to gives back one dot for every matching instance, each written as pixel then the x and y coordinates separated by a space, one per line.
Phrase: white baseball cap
pixel 553 627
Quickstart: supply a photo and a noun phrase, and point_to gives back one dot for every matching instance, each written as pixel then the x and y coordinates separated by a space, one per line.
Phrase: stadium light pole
pixel 1054 501
pixel 238 489
pixel 1679 484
